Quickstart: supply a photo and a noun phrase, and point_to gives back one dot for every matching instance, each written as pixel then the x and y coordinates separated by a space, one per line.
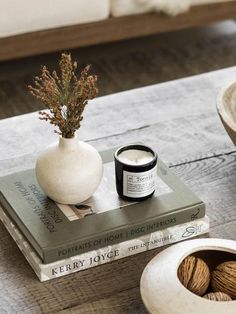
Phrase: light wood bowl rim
pixel 163 286
pixel 220 105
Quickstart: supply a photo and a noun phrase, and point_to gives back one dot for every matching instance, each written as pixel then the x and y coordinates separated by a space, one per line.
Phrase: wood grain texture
pixel 117 303
pixel 164 115
pixel 110 30
pixel 177 118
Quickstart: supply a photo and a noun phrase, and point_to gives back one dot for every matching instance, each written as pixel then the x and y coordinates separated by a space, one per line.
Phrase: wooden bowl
pixel 226 107
pixel 163 293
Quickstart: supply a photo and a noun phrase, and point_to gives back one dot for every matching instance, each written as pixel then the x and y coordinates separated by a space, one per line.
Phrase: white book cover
pixel 107 254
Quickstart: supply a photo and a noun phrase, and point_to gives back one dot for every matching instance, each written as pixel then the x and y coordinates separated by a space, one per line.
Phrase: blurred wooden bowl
pixel 163 293
pixel 226 107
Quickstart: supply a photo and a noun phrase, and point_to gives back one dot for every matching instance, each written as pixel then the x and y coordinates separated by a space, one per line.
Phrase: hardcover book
pixel 58 231
pixel 107 254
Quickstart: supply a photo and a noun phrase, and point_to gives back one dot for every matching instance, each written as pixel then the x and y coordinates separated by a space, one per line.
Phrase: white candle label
pixel 139 184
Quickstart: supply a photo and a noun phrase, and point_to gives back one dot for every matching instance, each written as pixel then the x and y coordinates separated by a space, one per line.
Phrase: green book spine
pixel 107 254
pixel 126 233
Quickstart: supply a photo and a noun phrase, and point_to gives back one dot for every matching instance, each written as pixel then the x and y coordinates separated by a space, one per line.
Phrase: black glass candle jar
pixel 135 167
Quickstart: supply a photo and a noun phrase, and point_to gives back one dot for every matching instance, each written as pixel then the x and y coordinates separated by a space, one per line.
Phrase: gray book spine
pixel 126 233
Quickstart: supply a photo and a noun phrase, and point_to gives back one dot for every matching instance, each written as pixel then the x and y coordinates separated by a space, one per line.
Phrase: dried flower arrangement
pixel 65 95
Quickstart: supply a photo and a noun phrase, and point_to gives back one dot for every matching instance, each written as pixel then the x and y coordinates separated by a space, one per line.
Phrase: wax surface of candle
pixel 135 157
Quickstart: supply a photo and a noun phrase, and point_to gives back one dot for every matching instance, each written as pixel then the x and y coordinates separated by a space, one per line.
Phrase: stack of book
pixel 61 239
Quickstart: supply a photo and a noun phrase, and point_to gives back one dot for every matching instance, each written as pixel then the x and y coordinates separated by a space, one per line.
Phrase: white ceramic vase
pixel 70 171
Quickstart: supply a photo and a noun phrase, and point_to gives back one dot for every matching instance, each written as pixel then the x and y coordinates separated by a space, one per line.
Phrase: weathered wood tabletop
pixel 179 120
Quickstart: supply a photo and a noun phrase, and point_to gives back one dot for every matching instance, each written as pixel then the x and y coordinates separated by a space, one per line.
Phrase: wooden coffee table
pixel 179 120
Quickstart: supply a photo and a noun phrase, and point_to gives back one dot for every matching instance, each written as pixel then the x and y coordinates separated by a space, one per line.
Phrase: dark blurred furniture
pixel 111 29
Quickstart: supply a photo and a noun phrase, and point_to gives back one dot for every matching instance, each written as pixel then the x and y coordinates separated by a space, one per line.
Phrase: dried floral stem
pixel 65 96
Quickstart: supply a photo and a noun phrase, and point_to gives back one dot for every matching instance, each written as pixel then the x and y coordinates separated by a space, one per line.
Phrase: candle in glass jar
pixel 135 167
pixel 135 157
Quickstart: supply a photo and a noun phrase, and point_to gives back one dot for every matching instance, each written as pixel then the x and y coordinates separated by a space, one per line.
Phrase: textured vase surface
pixel 70 171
